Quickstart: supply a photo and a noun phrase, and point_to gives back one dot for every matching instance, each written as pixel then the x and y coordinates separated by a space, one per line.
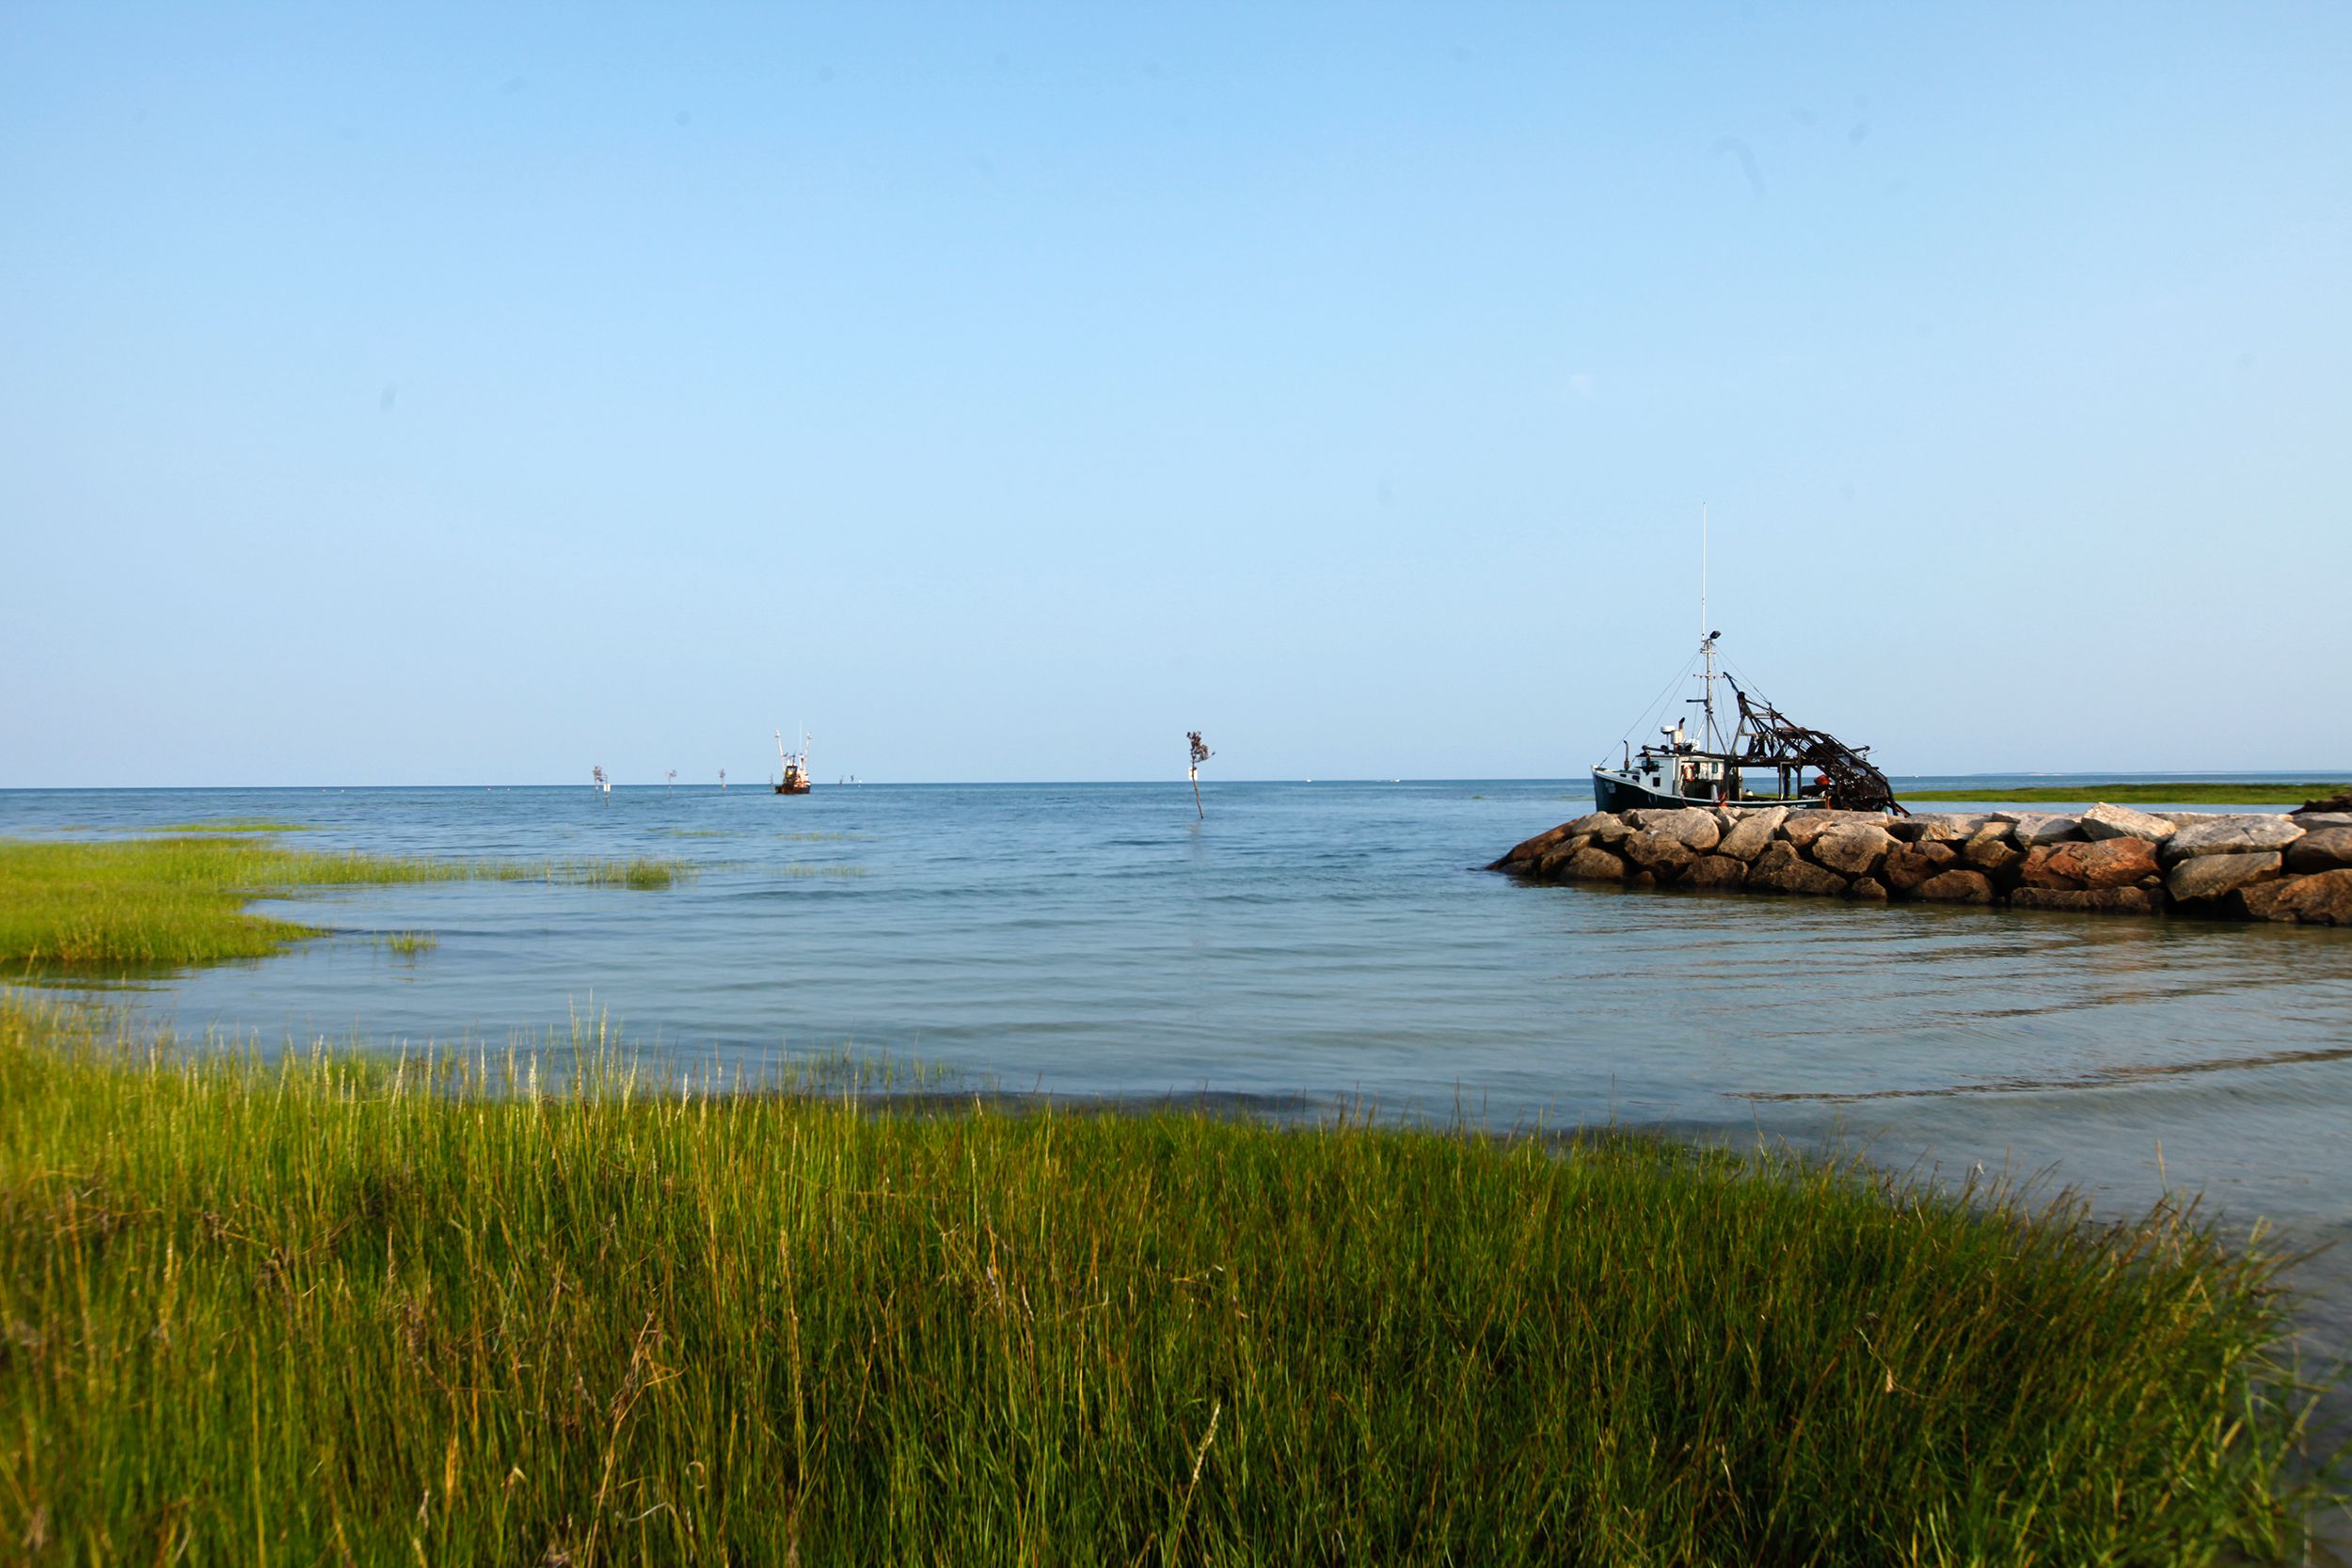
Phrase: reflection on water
pixel 2106 1078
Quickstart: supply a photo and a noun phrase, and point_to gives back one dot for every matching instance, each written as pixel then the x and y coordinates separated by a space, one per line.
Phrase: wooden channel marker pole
pixel 1200 753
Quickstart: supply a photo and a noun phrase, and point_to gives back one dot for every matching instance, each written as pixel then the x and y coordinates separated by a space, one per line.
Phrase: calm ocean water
pixel 1319 944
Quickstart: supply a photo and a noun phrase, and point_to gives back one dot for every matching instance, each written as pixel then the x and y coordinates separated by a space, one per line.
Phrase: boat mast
pixel 1706 643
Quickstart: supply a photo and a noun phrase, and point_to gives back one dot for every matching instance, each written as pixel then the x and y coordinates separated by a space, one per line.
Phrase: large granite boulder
pixel 1715 871
pixel 1868 890
pixel 1909 864
pixel 2104 863
pixel 1693 827
pixel 1660 854
pixel 1752 833
pixel 2311 822
pixel 1550 863
pixel 1781 869
pixel 1940 827
pixel 2251 834
pixel 1593 865
pixel 1956 887
pixel 2211 876
pixel 1852 848
pixel 1603 827
pixel 1804 826
pixel 2320 900
pixel 2031 828
pixel 2106 821
pixel 2321 850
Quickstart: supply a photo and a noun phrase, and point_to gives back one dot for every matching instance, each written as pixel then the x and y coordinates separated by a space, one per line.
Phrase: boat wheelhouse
pixel 795 765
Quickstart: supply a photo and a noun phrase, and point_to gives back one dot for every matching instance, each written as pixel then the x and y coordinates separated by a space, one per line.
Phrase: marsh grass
pixel 408 944
pixel 813 868
pixel 330 1310
pixel 133 906
pixel 2188 794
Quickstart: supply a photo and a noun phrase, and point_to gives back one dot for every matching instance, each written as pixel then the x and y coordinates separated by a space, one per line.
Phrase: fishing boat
pixel 795 764
pixel 1762 759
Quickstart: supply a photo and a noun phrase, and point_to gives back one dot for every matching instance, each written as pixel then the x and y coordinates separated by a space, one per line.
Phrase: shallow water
pixel 1320 944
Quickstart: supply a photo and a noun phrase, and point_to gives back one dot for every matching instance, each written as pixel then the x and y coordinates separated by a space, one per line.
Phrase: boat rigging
pixel 1809 767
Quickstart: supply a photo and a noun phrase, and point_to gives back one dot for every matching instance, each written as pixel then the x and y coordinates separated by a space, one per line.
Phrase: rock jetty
pixel 2110 859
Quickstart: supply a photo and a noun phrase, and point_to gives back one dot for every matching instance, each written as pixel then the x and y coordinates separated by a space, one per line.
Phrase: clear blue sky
pixel 473 394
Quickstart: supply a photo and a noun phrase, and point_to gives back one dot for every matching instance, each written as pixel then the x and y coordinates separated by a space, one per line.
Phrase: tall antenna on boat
pixel 1707 638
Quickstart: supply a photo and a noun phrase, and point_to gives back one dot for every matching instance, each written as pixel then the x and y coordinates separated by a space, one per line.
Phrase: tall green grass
pixel 125 906
pixel 331 1310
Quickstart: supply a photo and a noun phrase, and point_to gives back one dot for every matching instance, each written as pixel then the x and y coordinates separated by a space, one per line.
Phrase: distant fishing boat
pixel 1808 769
pixel 795 764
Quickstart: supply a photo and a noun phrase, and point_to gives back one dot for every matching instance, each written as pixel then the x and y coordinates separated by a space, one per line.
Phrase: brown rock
pixel 1854 849
pixel 2098 900
pixel 2117 862
pixel 1662 856
pixel 1641 878
pixel 1908 865
pixel 1781 869
pixel 1752 833
pixel 2260 900
pixel 2321 850
pixel 2324 898
pixel 1990 853
pixel 1559 855
pixel 2211 876
pixel 1715 871
pixel 1957 887
pixel 1593 865
pixel 1868 888
pixel 2037 871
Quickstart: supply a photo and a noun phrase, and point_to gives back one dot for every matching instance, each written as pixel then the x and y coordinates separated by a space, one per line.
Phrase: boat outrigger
pixel 794 780
pixel 1808 768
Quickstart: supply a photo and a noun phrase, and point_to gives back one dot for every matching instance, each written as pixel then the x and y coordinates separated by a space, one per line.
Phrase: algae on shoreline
pixel 2188 793
pixel 120 906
